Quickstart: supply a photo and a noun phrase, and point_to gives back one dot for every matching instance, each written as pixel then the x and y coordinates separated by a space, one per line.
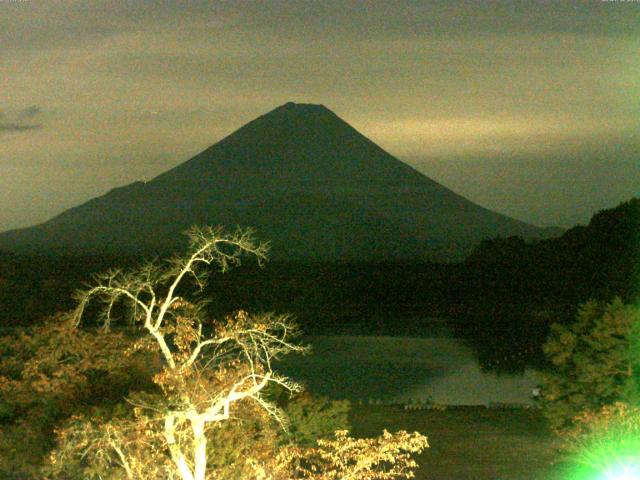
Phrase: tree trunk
pixel 200 449
pixel 176 454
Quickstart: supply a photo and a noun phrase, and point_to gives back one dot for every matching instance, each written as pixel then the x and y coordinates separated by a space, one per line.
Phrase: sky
pixel 528 108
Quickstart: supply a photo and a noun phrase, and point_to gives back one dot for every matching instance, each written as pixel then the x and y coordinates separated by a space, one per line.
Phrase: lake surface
pixel 404 370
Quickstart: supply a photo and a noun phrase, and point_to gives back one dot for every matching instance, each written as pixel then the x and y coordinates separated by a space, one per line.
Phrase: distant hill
pixel 599 260
pixel 304 179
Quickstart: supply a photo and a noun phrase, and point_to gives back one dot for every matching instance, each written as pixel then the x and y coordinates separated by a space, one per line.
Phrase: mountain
pixel 304 179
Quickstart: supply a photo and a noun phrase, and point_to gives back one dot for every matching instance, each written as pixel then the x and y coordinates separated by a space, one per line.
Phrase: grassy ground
pixel 472 443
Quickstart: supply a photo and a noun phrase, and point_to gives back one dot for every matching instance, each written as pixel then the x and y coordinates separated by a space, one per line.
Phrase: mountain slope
pixel 304 178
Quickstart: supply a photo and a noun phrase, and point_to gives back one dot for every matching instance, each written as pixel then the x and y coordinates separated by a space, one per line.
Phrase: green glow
pixel 610 469
pixel 623 472
pixel 610 449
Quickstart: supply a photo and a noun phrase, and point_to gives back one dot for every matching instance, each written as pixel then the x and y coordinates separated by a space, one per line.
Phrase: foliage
pixel 235 447
pixel 599 261
pixel 314 418
pixel 207 369
pixel 593 359
pixel 47 373
pixel 101 444
pixel 344 458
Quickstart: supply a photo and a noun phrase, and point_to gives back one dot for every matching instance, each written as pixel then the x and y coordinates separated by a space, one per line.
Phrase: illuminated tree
pixel 208 389
pixel 206 370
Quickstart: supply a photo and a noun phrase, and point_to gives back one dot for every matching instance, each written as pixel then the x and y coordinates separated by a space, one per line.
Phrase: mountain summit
pixel 304 179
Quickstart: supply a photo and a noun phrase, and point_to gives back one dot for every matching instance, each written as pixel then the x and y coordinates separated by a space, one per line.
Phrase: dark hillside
pixel 514 290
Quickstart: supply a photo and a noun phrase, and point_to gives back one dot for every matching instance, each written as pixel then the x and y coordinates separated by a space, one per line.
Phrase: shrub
pixel 314 418
pixel 387 457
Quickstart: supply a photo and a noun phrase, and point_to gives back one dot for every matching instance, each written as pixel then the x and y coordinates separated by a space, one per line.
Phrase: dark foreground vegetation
pixel 503 298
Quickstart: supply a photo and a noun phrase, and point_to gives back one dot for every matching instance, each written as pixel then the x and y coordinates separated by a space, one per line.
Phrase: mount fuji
pixel 306 180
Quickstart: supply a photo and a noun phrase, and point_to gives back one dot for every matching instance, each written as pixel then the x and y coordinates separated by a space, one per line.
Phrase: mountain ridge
pixel 304 178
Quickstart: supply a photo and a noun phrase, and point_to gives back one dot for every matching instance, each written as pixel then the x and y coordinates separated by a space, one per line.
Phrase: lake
pixel 403 370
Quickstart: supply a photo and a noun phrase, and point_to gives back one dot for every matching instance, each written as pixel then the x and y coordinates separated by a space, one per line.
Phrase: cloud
pixel 21 121
pixel 30 112
pixel 16 127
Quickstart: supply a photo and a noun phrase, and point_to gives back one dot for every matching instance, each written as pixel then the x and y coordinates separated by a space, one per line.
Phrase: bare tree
pixel 207 368
pixel 207 372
